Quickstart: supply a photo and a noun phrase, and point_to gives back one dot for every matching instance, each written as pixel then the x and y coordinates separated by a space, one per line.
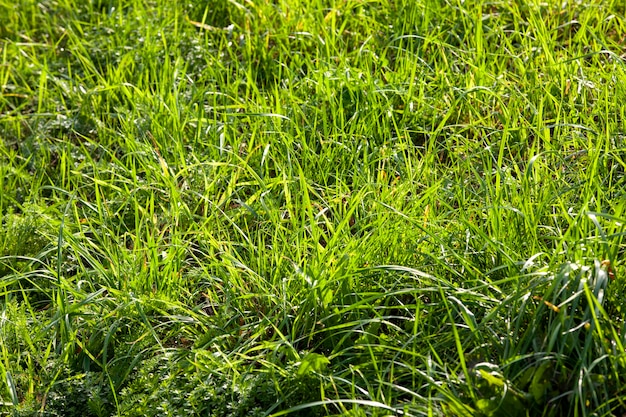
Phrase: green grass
pixel 323 207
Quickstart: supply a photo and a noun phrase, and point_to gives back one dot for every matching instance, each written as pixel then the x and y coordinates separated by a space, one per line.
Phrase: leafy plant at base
pixel 163 386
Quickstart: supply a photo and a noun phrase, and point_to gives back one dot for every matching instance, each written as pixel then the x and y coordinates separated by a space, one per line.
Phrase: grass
pixel 356 208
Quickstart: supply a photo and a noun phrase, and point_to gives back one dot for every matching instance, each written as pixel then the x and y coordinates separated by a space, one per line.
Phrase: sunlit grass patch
pixel 350 208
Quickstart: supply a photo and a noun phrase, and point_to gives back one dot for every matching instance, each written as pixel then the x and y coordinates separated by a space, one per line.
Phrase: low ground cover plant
pixel 350 207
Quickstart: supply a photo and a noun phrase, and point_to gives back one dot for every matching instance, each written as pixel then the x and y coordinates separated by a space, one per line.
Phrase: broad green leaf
pixel 541 381
pixel 312 362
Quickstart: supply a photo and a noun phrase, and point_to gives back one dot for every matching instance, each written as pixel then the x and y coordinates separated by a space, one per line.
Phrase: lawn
pixel 312 208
